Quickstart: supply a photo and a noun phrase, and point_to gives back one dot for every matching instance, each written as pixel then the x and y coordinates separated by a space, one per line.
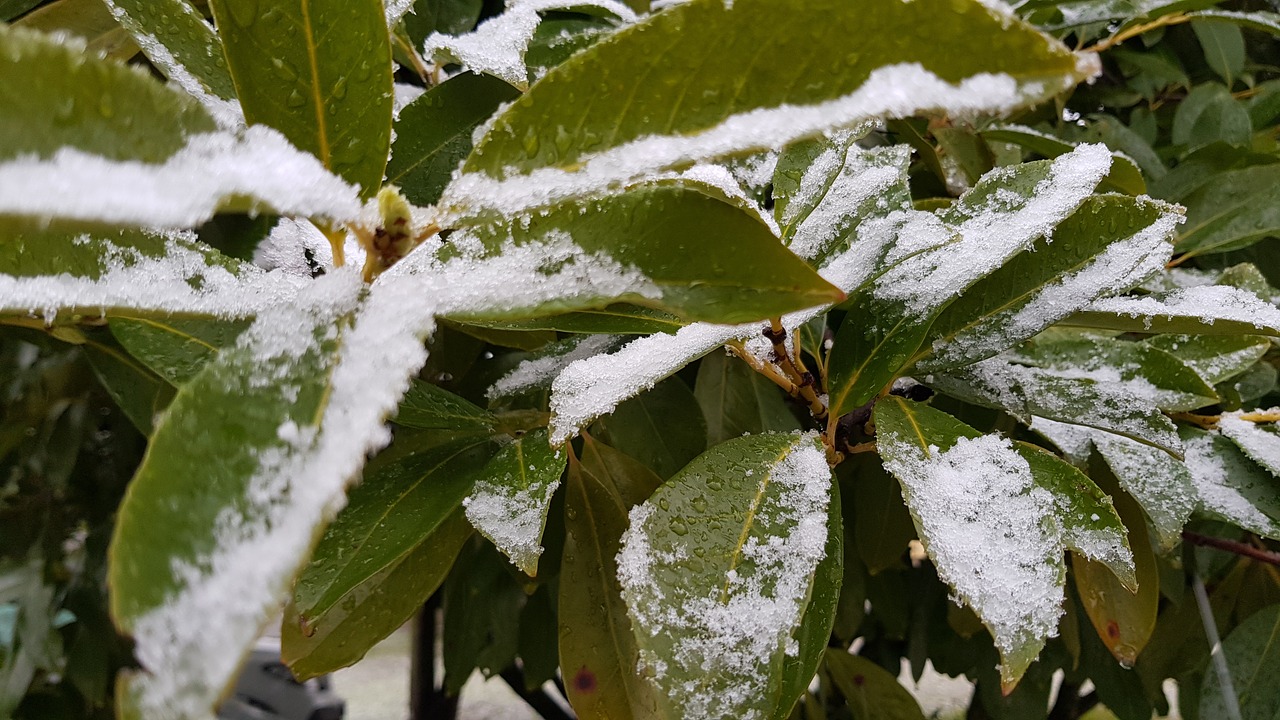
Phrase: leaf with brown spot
pixel 595 631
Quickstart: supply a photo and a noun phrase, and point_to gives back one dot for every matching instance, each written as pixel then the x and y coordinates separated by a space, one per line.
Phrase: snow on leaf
pixel 285 483
pixel 211 171
pixel 543 367
pixel 1230 486
pixel 1160 483
pixel 994 530
pixel 716 570
pixel 899 90
pixel 1213 308
pixel 498 45
pixel 511 497
pixel 1260 441
pixel 158 272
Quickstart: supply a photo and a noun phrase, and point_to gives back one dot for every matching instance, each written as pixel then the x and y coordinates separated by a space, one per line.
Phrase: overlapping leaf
pixel 995 518
pixel 1206 310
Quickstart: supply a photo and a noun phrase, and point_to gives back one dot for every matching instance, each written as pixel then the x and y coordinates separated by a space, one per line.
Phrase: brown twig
pixel 1136 30
pixel 1233 546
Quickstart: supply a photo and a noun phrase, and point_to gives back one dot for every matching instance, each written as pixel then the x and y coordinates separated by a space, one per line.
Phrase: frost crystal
pixel 183 191
pixel 993 534
pixel 724 633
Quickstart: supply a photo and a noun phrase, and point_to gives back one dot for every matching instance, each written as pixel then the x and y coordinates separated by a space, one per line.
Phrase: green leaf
pixel 965 154
pixel 431 407
pixel 1028 393
pixel 482 603
pixel 1161 484
pixel 177 40
pixel 995 519
pixel 1208 310
pixel 1123 617
pixel 433 133
pixel 660 78
pixel 512 495
pixel 615 319
pixel 1232 487
pixel 664 427
pixel 95 105
pixel 1143 370
pixel 1126 141
pixel 1250 651
pixel 1209 114
pixel 319 71
pixel 737 400
pixel 451 17
pixel 717 571
pixel 10 9
pixel 925 261
pixel 662 246
pixel 598 652
pixel 1223 48
pixel 882 524
pixel 1125 177
pixel 1215 358
pixel 1109 245
pixel 1236 209
pixel 174 348
pixel 138 392
pixel 395 510
pixel 380 605
pixel 870 691
pixel 248 421
pixel 88 20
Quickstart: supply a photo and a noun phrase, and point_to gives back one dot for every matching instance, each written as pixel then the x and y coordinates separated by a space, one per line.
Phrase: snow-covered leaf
pixel 278 424
pixel 668 246
pixel 1152 374
pixel 58 96
pixel 541 368
pixel 177 40
pixel 717 569
pixel 1025 392
pixel 919 58
pixel 597 648
pixel 433 133
pixel 1230 485
pixel 1160 483
pixel 174 348
pixel 432 407
pixel 51 273
pixel 1215 358
pixel 1124 176
pixel 1259 440
pixel 511 497
pixel 1108 246
pixel 925 261
pixel 403 512
pixel 1204 310
pixel 995 519
pixel 319 72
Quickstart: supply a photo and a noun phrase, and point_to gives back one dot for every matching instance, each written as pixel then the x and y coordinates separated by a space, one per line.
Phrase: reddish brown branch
pixel 1233 546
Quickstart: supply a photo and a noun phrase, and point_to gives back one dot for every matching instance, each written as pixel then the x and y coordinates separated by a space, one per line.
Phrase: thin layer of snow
pixel 833 190
pixel 725 633
pixel 1160 483
pixel 901 90
pixel 993 534
pixel 1222 475
pixel 989 234
pixel 396 10
pixel 291 241
pixel 1260 442
pixel 498 45
pixel 594 386
pixel 184 191
pixel 1075 441
pixel 511 508
pixel 543 368
pixel 1208 304
pixel 179 281
pixel 1120 267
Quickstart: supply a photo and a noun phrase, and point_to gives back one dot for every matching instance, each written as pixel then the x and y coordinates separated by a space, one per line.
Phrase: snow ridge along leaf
pixel 717 571
pixel 686 99
pixel 995 519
